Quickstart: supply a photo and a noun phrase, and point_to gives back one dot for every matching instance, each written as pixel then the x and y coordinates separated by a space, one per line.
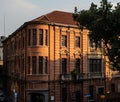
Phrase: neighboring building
pixel 1 62
pixel 50 59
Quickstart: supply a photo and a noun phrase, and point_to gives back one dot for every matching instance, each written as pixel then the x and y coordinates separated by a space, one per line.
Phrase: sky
pixel 14 13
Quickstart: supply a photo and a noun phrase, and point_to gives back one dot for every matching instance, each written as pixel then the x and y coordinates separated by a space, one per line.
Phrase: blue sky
pixel 16 12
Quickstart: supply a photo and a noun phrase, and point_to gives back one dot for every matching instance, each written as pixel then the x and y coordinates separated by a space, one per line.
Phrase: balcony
pixel 96 75
pixel 66 77
pixel 70 77
pixel 82 76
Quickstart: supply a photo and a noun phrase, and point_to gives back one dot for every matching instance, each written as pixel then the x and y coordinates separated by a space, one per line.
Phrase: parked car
pixel 2 96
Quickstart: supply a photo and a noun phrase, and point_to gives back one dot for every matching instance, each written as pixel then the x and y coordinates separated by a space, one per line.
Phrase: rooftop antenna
pixel 4 25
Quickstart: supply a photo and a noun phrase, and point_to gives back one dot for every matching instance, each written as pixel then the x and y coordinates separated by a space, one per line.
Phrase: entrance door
pixel 37 97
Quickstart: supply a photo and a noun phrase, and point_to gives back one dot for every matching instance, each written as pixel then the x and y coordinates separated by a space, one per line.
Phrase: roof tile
pixel 57 17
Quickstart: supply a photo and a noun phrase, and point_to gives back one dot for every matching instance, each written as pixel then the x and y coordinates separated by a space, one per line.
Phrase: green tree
pixel 103 23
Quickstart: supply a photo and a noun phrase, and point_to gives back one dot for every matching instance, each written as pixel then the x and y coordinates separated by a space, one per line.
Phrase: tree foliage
pixel 104 25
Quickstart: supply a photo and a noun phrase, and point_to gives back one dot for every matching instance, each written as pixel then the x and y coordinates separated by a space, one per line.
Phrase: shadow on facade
pixel 59 85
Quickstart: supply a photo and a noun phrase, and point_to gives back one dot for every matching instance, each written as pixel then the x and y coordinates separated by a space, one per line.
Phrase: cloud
pixel 8 5
pixel 16 12
pixel 25 4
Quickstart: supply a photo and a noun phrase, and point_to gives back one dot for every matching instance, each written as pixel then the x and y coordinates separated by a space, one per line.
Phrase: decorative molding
pixel 64 51
pixel 77 52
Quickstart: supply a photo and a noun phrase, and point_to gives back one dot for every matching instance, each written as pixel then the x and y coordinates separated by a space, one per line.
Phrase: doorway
pixel 37 97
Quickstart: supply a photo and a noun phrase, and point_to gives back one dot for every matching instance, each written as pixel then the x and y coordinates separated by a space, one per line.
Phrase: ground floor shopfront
pixel 90 90
pixel 68 91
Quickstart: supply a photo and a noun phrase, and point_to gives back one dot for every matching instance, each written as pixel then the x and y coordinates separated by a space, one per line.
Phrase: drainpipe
pixel 25 47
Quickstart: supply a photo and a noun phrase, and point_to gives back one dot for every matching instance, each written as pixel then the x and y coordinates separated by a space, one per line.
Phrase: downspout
pixel 25 45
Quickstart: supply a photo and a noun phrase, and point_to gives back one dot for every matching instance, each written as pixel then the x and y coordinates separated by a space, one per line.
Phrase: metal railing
pixel 82 76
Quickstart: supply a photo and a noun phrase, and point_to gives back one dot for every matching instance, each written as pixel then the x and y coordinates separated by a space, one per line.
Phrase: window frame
pixel 40 64
pixel 41 33
pixel 77 64
pixel 29 37
pixel 95 66
pixel 34 37
pixel 34 64
pixel 29 60
pixel 77 41
pixel 64 65
pixel 64 40
pixel 46 65
pixel 64 94
pixel 46 37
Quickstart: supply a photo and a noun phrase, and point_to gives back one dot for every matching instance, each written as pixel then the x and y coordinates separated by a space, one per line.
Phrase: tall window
pixel 19 44
pixel 64 94
pixel 46 65
pixel 91 91
pixel 34 41
pixel 15 44
pixel 19 62
pixel 23 64
pixel 77 64
pixel 64 65
pixel 23 42
pixel 34 64
pixel 28 64
pixel 29 37
pixel 64 40
pixel 77 41
pixel 46 36
pixel 41 36
pixel 40 64
pixel 95 65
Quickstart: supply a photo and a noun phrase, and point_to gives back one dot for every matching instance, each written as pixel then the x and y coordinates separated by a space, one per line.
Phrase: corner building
pixel 50 59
